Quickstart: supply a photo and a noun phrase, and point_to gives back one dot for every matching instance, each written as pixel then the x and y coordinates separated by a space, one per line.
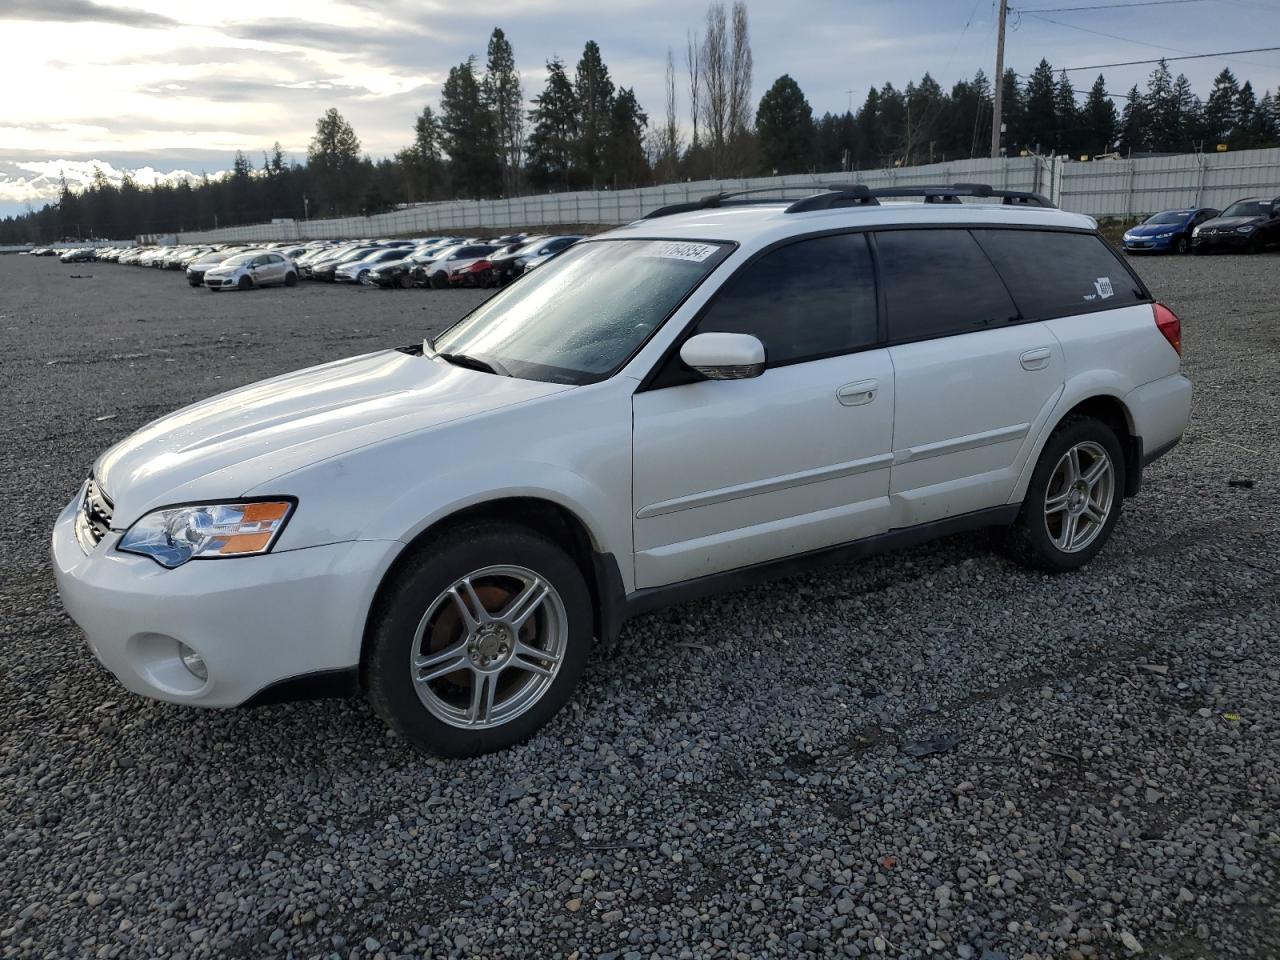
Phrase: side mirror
pixel 724 356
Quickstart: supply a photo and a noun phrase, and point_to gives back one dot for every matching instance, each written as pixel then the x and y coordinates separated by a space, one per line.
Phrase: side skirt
pixel 618 608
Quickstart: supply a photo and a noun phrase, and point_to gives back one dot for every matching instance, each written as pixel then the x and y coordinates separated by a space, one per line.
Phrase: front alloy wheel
pixel 478 639
pixel 489 647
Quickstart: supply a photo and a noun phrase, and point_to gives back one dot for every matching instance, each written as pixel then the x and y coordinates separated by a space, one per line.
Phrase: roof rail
pixel 733 198
pixel 836 195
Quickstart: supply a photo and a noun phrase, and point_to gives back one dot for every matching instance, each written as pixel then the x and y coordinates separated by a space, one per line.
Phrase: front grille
pixel 94 520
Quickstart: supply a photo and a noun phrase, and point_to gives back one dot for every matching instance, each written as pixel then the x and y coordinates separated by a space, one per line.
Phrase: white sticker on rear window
pixel 673 250
pixel 1103 286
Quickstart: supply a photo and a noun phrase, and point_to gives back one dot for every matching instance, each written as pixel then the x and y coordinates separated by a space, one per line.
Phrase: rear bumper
pixel 1160 411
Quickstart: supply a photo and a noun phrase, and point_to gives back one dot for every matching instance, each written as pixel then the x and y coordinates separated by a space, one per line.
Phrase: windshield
pixel 1247 208
pixel 579 319
pixel 1171 216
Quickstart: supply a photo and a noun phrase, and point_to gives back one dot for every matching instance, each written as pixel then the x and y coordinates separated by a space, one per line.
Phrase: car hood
pixel 1155 229
pixel 1229 223
pixel 228 444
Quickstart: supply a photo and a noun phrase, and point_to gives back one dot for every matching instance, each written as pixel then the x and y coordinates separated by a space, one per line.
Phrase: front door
pixel 732 473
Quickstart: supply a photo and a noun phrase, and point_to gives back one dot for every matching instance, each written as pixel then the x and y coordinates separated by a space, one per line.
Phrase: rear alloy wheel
pixel 1073 500
pixel 406 281
pixel 493 655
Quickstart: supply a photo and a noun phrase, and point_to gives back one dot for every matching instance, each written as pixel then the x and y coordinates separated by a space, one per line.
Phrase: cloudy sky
pixel 159 86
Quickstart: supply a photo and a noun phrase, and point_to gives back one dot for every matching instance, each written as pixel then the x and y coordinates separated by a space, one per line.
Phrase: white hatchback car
pixel 255 268
pixel 711 395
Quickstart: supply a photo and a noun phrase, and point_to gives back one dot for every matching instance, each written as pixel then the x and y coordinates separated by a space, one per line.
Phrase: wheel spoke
pixel 432 666
pixel 1068 533
pixel 1056 504
pixel 1094 512
pixel 1073 466
pixel 470 608
pixel 1096 472
pixel 524 605
pixel 483 687
pixel 527 658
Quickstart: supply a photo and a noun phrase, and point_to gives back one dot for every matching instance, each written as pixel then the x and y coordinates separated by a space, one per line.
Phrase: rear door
pixel 973 382
pixel 730 473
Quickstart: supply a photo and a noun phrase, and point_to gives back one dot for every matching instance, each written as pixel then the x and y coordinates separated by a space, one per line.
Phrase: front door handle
pixel 1036 359
pixel 856 394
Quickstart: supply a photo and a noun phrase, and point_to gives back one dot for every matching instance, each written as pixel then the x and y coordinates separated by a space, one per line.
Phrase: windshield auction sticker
pixel 673 250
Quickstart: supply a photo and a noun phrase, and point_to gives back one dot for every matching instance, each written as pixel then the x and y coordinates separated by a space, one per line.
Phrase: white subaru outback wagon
pixel 716 393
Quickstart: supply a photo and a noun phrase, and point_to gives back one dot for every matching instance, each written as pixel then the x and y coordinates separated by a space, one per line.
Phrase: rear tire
pixel 1073 501
pixel 412 635
pixel 406 282
pixel 291 279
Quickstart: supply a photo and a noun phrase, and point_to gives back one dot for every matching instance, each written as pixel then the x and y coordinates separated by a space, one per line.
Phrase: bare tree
pixel 740 69
pixel 691 54
pixel 715 69
pixel 668 137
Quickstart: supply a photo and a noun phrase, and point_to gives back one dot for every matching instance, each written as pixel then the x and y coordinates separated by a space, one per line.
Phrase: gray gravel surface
pixel 751 777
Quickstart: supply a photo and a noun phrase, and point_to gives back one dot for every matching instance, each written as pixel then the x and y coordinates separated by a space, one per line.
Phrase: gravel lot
pixel 745 780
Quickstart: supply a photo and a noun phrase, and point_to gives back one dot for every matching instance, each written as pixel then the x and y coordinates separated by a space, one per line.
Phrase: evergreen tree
pixel 784 126
pixel 332 161
pixel 892 116
pixel 1135 123
pixel 552 143
pixel 505 100
pixel 1066 115
pixel 624 156
pixel 469 134
pixel 1221 109
pixel 593 91
pixel 422 162
pixel 1162 105
pixel 1246 106
pixel 868 146
pixel 1013 113
pixel 1040 131
pixel 1099 119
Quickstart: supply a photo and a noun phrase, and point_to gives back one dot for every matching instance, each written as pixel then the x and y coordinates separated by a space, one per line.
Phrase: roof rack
pixel 834 196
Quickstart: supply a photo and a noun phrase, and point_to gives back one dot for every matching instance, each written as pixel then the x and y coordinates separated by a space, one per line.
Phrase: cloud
pixel 81 11
pixel 38 182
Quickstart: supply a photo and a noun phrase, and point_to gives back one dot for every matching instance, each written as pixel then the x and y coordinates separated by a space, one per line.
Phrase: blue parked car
pixel 1167 232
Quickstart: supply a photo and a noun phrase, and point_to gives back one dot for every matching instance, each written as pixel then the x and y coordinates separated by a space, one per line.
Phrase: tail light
pixel 1170 326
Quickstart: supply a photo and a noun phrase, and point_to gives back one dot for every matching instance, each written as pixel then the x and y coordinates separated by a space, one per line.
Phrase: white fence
pixel 1101 188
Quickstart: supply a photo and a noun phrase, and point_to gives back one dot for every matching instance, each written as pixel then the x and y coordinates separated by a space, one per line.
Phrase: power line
pixel 1099 33
pixel 1106 6
pixel 1193 56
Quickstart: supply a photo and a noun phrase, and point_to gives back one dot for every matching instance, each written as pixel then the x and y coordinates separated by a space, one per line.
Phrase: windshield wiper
pixel 475 363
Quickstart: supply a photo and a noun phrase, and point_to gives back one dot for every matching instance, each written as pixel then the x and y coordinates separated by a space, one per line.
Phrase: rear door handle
pixel 1036 359
pixel 856 394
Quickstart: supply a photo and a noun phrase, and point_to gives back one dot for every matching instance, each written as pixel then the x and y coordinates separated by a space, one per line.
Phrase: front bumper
pixel 1221 241
pixel 1147 244
pixel 255 621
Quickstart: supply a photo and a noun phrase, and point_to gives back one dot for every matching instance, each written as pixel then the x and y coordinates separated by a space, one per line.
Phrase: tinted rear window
pixel 1054 274
pixel 938 283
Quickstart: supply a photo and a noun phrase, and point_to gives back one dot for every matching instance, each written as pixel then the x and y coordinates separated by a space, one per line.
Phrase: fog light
pixel 193 662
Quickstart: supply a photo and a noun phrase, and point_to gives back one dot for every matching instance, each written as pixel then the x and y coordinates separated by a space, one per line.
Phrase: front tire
pixel 1073 501
pixel 440 281
pixel 244 284
pixel 1181 246
pixel 478 640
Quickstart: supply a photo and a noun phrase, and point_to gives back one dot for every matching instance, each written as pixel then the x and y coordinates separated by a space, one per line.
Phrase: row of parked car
pixel 1249 226
pixel 437 262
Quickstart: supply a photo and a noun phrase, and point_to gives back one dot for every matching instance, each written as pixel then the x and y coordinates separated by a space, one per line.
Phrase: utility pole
pixel 997 92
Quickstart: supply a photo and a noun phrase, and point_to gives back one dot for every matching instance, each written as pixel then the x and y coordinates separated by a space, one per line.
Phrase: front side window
pixel 581 317
pixel 939 283
pixel 1055 273
pixel 810 299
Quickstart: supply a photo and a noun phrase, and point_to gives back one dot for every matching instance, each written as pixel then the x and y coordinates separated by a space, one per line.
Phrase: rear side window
pixel 815 298
pixel 1055 274
pixel 938 283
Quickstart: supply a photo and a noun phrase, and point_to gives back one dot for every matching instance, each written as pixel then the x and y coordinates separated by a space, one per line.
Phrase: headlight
pixel 1195 232
pixel 174 535
pixel 1162 236
pixel 1247 228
